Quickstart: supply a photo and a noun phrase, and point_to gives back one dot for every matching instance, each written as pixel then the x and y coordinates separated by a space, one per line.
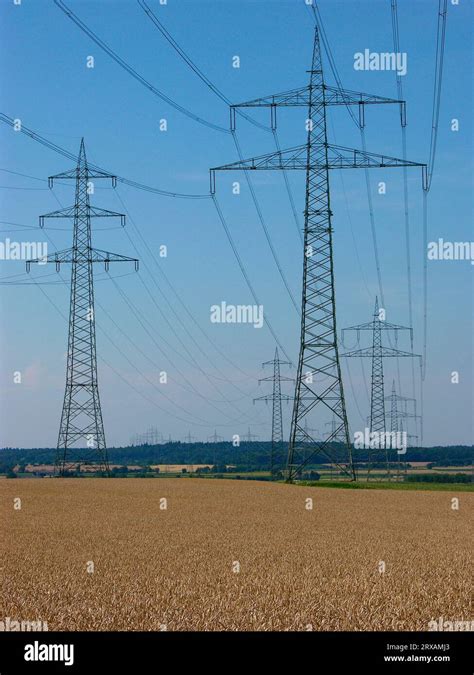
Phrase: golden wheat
pixel 231 555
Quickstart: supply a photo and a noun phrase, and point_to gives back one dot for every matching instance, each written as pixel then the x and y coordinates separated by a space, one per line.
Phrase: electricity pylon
pixel 377 398
pixel 276 397
pixel 319 387
pixel 81 419
pixel 396 420
pixel 189 438
pixel 152 436
pixel 249 437
pixel 215 438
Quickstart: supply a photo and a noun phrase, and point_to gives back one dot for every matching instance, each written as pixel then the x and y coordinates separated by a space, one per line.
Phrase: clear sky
pixel 212 380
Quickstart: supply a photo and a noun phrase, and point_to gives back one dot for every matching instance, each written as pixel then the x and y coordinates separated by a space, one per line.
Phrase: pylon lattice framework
pixel 377 421
pixel 276 397
pixel 319 384
pixel 81 418
pixel 396 422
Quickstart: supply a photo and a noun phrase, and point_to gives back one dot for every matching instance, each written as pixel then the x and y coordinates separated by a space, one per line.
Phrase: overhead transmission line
pixel 438 81
pixel 144 396
pixel 187 59
pixel 133 365
pixel 246 277
pixel 161 271
pixel 179 298
pixel 58 149
pixel 131 71
pixel 159 25
pixel 151 87
pixel 10 121
pixel 152 16
pixel 191 361
pixel 318 20
pixel 398 77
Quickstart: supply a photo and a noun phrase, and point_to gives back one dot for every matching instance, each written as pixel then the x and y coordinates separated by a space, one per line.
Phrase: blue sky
pixel 46 84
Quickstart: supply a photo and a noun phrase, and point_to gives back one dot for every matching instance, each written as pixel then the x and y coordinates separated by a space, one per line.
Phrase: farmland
pixel 190 554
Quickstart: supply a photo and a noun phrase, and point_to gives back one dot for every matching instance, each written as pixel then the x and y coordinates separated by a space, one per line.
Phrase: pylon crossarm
pixel 88 175
pixel 69 255
pixel 292 97
pixel 384 325
pixel 336 96
pixel 270 378
pixel 90 212
pixel 338 157
pixel 68 212
pixel 95 212
pixel 368 352
pixel 98 255
pixel 301 97
pixel 396 397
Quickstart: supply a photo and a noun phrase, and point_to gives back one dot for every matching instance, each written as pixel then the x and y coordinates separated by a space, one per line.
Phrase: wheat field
pixel 196 554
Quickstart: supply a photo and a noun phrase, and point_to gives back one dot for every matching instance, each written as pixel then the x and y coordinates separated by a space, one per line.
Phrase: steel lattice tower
pixel 81 418
pixel 395 422
pixel 396 419
pixel 276 397
pixel 377 394
pixel 377 422
pixel 394 426
pixel 319 387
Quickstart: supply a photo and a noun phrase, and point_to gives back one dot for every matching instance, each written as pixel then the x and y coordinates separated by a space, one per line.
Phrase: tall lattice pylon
pixel 378 452
pixel 81 438
pixel 319 389
pixel 276 397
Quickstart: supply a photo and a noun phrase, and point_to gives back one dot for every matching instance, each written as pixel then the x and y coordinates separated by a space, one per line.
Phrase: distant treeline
pixel 254 455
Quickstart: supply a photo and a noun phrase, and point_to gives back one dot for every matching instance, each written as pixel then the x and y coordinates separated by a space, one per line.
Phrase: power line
pixel 141 319
pixel 152 16
pixel 226 100
pixel 180 300
pixel 290 193
pixel 191 361
pixel 265 228
pixel 398 77
pixel 131 71
pixel 319 23
pixel 438 81
pixel 245 275
pixel 107 336
pixel 10 121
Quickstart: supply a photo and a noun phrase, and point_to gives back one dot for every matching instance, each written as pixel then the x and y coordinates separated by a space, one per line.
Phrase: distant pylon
pixel 377 426
pixel 319 387
pixel 396 422
pixel 81 419
pixel 215 438
pixel 189 438
pixel 276 398
pixel 249 437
